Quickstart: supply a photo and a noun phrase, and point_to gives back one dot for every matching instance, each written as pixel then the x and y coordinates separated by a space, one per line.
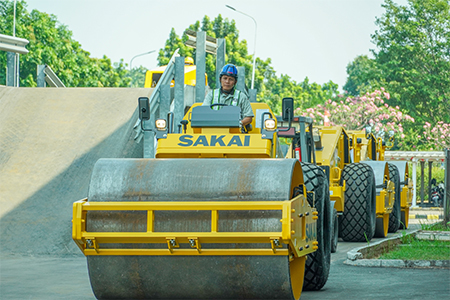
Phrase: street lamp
pixel 131 61
pixel 254 48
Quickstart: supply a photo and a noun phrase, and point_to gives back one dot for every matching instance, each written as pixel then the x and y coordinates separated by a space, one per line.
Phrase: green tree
pixel 363 76
pixel 219 28
pixel 173 42
pixel 51 43
pixel 138 76
pixel 271 88
pixel 414 57
pixel 305 94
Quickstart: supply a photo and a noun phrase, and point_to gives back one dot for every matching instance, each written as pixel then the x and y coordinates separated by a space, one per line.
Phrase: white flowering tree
pixel 356 113
pixel 373 112
pixel 437 137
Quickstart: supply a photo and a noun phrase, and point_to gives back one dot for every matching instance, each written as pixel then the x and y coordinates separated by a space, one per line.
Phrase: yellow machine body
pixel 385 200
pixel 367 147
pixel 152 76
pixel 297 232
pixel 334 154
pixel 364 196
pixel 251 206
pixel 218 142
pixel 406 191
pixel 211 142
pixel 406 201
pixel 334 149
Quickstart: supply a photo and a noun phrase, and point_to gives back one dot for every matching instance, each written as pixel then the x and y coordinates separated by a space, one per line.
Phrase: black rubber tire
pixel 317 267
pixel 334 231
pixel 357 222
pixel 395 215
pixel 379 228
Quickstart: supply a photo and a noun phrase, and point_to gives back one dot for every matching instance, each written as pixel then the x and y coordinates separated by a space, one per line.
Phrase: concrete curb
pixel 355 257
pixel 398 263
pixel 428 217
pixel 433 235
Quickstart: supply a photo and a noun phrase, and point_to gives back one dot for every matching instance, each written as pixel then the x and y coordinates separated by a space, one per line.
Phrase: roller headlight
pixel 160 124
pixel 269 124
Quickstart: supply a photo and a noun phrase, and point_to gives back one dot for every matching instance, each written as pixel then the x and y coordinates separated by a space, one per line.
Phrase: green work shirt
pixel 236 99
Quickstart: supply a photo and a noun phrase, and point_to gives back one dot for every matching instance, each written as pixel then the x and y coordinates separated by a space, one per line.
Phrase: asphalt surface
pixel 356 282
pixel 46 277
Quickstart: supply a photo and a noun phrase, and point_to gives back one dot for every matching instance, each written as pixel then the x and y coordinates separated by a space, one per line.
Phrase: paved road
pixel 46 277
pixel 350 282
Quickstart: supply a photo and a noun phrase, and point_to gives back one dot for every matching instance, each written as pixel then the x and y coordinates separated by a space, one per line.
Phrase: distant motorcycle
pixel 437 193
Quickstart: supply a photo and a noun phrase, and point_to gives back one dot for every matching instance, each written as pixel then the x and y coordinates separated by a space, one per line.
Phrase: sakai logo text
pixel 214 141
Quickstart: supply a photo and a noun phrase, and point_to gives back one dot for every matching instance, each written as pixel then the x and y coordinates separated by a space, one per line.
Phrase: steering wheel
pixel 218 104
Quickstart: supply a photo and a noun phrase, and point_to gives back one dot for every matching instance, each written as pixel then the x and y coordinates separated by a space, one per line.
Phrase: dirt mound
pixel 50 139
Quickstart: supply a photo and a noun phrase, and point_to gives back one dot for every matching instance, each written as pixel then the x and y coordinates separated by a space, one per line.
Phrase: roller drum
pixel 402 170
pixel 193 277
pixel 380 169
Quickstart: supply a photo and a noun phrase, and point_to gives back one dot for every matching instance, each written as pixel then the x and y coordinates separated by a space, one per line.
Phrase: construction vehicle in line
pixel 152 76
pixel 219 213
pixel 361 190
pixel 370 148
pixel 405 187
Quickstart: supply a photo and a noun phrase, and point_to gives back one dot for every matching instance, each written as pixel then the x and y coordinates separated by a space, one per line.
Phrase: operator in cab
pixel 229 95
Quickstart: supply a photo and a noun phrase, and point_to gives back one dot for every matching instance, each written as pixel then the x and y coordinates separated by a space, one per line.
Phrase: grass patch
pixel 435 227
pixel 414 249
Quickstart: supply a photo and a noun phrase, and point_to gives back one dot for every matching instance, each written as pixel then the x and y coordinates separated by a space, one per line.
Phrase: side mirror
pixel 288 109
pixel 144 108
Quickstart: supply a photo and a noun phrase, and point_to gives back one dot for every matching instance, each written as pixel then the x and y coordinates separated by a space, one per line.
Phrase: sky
pixel 304 38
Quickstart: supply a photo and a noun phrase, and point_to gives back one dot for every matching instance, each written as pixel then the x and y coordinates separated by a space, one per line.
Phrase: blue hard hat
pixel 229 70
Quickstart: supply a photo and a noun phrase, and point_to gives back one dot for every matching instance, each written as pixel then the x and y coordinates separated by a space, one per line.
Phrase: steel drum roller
pixel 193 277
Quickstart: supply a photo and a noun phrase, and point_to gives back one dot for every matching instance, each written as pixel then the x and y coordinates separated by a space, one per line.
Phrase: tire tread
pixel 357 222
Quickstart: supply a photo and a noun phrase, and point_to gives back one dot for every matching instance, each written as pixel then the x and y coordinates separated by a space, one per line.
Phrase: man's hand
pixel 246 120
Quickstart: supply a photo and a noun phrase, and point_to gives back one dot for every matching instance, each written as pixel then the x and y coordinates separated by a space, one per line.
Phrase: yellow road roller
pixel 391 212
pixel 217 214
pixel 351 184
pixel 152 76
pixel 405 187
pixel 361 185
pixel 374 149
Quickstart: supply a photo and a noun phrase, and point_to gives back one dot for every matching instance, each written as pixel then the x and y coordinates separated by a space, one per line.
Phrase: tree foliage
pixel 271 88
pixel 414 56
pixel 305 94
pixel 236 51
pixel 363 75
pixel 437 137
pixel 412 59
pixel 137 75
pixel 51 43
